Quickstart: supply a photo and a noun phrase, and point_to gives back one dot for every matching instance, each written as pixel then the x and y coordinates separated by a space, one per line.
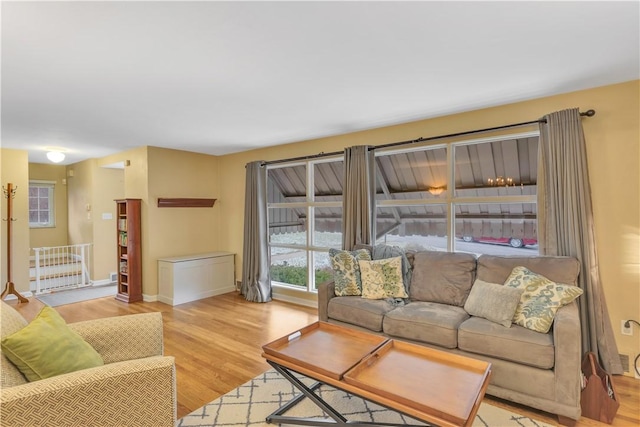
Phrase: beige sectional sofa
pixel 540 370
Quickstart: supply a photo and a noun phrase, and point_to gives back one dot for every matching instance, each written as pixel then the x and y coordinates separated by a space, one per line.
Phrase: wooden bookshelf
pixel 128 240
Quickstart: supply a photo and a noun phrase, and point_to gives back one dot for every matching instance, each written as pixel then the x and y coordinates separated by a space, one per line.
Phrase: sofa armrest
pixel 568 355
pixel 123 337
pixel 326 291
pixel 137 392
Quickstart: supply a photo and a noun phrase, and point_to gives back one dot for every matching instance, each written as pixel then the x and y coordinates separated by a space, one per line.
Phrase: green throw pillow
pixel 540 300
pixel 382 278
pixel 46 347
pixel 346 272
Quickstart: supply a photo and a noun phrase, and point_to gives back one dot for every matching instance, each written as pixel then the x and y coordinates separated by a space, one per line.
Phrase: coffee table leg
pixel 338 419
pixel 306 392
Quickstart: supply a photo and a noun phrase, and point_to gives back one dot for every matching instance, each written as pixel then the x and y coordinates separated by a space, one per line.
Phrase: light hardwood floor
pixel 217 344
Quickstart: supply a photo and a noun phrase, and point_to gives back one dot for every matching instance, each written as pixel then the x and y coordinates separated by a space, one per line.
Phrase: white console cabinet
pixel 189 278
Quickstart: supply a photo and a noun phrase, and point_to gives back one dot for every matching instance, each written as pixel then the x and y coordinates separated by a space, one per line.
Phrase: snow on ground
pixel 297 256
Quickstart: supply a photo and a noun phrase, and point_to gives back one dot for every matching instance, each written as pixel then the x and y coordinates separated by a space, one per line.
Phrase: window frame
pixel 51 187
pixel 449 199
pixel 310 246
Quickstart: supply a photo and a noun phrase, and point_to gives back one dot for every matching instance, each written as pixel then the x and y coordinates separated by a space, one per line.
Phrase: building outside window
pixel 476 196
pixel 41 204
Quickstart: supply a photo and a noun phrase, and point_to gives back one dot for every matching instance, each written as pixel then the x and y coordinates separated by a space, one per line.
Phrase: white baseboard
pixel 149 298
pixel 102 282
pixel 288 298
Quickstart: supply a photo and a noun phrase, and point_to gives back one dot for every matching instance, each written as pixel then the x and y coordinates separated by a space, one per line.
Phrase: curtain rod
pixel 588 113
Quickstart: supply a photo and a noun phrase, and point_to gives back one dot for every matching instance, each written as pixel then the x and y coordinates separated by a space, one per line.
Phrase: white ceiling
pixel 97 78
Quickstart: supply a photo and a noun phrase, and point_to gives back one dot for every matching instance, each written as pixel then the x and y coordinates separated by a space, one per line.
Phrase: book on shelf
pixel 122 224
pixel 123 238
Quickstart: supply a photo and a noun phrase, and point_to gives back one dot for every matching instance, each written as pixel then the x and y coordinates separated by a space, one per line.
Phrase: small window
pixel 41 212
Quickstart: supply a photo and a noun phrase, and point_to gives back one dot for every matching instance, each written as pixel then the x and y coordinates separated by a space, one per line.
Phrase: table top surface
pixel 426 383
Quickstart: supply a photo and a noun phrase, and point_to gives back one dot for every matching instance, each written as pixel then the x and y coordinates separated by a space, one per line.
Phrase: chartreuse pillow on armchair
pixel 46 347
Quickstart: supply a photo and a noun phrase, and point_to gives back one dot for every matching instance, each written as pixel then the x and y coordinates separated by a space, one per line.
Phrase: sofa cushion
pixel 516 344
pixel 346 272
pixel 427 322
pixel 540 300
pixel 493 302
pixel 366 313
pixel 10 322
pixel 443 277
pixel 496 269
pixel 382 278
pixel 46 347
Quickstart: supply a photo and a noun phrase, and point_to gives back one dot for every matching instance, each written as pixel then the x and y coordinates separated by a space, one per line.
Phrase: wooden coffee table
pixel 429 385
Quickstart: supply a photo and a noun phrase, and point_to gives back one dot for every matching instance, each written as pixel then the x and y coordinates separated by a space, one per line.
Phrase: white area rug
pixel 249 405
pixel 55 299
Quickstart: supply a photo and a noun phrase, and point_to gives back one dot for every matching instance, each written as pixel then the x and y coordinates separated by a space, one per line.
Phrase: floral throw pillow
pixel 382 279
pixel 540 299
pixel 346 271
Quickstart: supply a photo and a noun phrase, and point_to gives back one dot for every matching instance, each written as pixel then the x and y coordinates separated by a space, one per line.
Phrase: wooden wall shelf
pixel 165 202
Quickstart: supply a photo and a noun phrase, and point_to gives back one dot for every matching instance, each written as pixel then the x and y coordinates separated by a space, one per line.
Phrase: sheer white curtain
pixel 566 225
pixel 256 259
pixel 358 197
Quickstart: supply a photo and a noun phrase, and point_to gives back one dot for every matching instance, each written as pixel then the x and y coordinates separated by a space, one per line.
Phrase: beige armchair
pixel 135 387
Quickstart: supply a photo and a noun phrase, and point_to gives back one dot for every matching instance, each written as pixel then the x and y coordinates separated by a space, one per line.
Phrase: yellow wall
pixel 153 172
pixel 91 193
pixel 179 231
pixel 613 136
pixel 80 195
pixel 108 186
pixel 14 169
pixel 55 236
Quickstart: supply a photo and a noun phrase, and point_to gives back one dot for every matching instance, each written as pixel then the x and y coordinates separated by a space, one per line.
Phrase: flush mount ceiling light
pixel 54 154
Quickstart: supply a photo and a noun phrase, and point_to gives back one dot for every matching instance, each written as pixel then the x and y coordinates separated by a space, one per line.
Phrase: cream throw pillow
pixel 540 300
pixel 493 302
pixel 382 278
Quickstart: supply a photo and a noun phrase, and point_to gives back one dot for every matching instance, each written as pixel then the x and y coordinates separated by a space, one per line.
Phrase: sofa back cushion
pixel 443 277
pixel 496 269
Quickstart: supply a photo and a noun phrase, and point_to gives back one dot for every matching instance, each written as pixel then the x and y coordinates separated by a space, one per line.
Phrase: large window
pixel 475 196
pixel 305 221
pixel 41 212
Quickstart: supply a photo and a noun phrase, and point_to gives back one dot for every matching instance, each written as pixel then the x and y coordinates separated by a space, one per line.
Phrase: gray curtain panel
pixel 565 225
pixel 256 259
pixel 358 197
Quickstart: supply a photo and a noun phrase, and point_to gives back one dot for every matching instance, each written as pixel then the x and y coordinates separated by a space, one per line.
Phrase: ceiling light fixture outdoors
pixel 55 156
pixel 436 191
pixel 501 182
